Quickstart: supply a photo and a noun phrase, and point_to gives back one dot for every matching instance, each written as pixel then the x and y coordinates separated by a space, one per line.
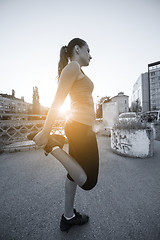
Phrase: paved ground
pixel 125 204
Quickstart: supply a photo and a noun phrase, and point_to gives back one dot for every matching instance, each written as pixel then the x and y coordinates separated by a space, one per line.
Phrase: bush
pixel 124 124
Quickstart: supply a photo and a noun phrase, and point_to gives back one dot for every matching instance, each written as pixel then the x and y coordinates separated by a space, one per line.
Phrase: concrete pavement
pixel 125 204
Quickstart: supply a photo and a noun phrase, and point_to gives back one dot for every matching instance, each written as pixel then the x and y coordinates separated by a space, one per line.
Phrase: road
pixel 125 204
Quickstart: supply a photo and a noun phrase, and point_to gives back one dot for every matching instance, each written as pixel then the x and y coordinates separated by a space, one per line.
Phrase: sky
pixel 123 37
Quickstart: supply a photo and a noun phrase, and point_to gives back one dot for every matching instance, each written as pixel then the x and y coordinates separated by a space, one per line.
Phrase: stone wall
pixel 132 143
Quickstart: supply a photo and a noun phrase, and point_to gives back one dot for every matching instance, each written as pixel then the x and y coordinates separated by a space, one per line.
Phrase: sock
pixel 54 148
pixel 70 217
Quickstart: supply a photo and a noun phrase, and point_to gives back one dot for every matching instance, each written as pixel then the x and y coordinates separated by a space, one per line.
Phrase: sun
pixel 65 108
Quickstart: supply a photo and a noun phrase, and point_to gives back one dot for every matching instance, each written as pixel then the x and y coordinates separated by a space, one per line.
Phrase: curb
pixel 19 147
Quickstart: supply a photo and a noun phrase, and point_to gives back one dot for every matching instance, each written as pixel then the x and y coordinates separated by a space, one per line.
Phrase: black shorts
pixel 83 148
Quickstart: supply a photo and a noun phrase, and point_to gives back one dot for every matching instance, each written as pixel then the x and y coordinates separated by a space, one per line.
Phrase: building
pixel 111 110
pixel 11 104
pixel 140 93
pixel 154 85
pixel 122 102
pixel 146 90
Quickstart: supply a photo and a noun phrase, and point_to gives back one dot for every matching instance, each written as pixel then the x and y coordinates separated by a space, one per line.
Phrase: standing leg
pixel 71 217
pixel 70 191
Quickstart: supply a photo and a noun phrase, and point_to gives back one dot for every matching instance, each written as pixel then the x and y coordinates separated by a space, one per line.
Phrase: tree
pixel 99 105
pixel 36 104
pixel 136 106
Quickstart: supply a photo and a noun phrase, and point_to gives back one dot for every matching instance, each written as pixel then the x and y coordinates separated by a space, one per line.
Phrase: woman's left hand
pixel 41 139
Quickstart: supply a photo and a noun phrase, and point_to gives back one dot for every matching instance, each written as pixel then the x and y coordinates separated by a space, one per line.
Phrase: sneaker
pixel 79 219
pixel 54 140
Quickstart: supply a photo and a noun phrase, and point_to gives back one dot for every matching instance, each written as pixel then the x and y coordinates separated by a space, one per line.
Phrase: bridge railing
pixel 18 127
pixel 15 127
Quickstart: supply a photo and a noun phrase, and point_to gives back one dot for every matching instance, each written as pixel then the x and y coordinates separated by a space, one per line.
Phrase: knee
pixel 88 185
pixel 82 179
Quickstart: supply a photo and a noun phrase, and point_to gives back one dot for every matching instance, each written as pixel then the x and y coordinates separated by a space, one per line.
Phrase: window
pixel 153 73
pixel 153 85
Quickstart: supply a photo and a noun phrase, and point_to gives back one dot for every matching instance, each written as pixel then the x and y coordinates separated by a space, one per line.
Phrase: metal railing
pixel 17 129
pixel 14 128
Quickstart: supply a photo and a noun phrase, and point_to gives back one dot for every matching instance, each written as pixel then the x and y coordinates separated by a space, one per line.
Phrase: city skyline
pixel 123 37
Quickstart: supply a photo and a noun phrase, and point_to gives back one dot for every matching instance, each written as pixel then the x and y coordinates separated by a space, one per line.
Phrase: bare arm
pixel 67 78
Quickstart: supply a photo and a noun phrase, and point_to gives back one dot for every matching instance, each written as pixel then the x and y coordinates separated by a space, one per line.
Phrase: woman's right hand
pixel 41 139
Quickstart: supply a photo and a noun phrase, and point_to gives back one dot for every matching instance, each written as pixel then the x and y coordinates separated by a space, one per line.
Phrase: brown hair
pixel 66 52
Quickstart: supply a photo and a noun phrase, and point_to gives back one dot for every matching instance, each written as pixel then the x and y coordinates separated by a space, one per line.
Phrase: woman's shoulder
pixel 71 72
pixel 72 67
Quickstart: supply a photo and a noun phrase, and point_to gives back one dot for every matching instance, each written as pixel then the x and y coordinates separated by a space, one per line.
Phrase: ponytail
pixel 63 60
pixel 66 53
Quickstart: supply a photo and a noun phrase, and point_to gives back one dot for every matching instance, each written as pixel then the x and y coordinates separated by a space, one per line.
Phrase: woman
pixel 83 162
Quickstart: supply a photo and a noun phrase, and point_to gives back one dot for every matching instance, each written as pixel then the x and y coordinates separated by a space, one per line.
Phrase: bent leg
pixel 83 147
pixel 54 145
pixel 74 169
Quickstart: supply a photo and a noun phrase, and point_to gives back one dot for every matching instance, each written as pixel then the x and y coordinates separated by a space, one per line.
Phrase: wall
pixel 132 143
pixel 110 113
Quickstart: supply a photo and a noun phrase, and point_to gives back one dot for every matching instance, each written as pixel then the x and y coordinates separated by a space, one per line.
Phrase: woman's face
pixel 84 55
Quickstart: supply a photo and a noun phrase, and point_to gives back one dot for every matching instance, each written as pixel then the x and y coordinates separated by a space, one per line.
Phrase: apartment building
pixel 146 90
pixel 140 92
pixel 154 85
pixel 11 104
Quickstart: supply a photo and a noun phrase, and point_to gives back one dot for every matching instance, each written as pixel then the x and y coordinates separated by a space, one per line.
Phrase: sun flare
pixel 65 108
